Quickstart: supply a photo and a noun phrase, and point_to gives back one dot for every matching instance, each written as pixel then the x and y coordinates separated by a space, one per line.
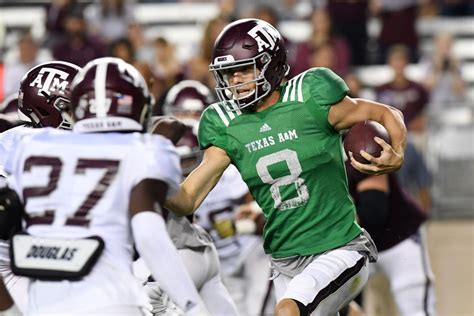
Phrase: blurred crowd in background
pixel 342 36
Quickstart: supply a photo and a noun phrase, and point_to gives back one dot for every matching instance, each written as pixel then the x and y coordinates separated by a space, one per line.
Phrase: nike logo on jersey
pixel 265 128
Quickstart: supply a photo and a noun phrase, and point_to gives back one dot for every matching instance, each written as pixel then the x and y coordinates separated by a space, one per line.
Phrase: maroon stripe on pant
pixel 334 285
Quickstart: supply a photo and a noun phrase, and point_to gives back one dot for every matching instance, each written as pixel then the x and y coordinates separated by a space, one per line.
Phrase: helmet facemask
pixel 227 92
pixel 38 116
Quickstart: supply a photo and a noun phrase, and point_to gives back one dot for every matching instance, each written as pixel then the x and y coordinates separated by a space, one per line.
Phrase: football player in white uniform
pixel 195 246
pixel 43 100
pixel 244 265
pixel 89 194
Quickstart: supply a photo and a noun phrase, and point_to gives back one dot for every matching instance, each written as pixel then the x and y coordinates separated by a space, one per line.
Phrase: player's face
pixel 242 79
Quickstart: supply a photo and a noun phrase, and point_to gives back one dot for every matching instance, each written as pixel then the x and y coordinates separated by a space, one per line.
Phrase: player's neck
pixel 268 101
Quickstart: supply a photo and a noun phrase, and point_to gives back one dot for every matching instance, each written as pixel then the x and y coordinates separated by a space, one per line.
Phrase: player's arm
pixel 7 305
pixel 200 182
pixel 372 206
pixel 156 248
pixel 349 111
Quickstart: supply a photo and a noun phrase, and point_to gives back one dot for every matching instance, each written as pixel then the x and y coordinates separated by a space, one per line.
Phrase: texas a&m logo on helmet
pixel 44 94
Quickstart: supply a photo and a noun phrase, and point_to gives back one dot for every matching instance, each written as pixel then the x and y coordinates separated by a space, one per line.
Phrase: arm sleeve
pixel 211 132
pixel 160 255
pixel 326 88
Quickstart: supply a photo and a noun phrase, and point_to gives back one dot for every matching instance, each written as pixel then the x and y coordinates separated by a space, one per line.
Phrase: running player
pixel 243 263
pixel 285 142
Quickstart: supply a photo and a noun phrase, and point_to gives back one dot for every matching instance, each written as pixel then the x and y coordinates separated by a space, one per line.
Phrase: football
pixel 361 137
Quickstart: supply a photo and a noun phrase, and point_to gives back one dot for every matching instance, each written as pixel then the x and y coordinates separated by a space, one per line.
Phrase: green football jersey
pixel 291 159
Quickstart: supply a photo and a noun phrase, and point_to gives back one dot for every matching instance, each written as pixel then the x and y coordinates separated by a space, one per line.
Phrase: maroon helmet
pixel 45 92
pixel 249 43
pixel 110 95
pixel 186 100
pixel 5 123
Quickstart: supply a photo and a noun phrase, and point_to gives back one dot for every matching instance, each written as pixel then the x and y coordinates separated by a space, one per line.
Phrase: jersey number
pixel 294 166
pixel 80 217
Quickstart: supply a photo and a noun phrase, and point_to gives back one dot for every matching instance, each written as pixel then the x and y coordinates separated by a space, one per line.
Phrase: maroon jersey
pixel 411 100
pixel 404 214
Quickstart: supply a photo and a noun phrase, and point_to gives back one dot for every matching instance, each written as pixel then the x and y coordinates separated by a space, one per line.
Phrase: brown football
pixel 361 137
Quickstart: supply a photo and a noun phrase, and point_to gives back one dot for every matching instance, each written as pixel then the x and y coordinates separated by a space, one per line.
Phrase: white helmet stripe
pixel 99 89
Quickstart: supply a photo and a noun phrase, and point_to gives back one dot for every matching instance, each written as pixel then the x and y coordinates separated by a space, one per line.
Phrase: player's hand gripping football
pixel 389 161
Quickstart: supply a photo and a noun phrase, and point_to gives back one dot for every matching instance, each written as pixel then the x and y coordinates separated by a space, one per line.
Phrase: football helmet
pixel 248 43
pixel 186 100
pixel 109 94
pixel 44 94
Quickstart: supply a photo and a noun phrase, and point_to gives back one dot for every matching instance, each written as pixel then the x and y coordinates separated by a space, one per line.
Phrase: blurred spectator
pixel 356 88
pixel 56 13
pixel 406 95
pixel 166 66
pixel 322 35
pixel 398 19
pixel 211 30
pixel 231 10
pixel 109 19
pixel 143 51
pixel 443 74
pixel 122 48
pixel 26 58
pixel 155 86
pixel 77 46
pixel 323 57
pixel 456 7
pixel 349 18
pixel 197 67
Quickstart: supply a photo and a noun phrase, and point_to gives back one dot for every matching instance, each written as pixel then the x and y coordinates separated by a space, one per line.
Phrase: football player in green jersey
pixel 284 140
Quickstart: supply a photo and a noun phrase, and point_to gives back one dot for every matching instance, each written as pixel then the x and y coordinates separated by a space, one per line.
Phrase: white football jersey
pixel 8 140
pixel 216 215
pixel 78 185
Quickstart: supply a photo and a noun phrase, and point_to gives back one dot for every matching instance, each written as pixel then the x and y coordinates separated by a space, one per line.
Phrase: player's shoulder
pixel 315 84
pixel 220 114
pixel 18 134
pixel 322 76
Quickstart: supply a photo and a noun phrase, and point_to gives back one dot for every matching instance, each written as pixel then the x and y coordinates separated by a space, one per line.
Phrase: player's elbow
pixel 180 204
